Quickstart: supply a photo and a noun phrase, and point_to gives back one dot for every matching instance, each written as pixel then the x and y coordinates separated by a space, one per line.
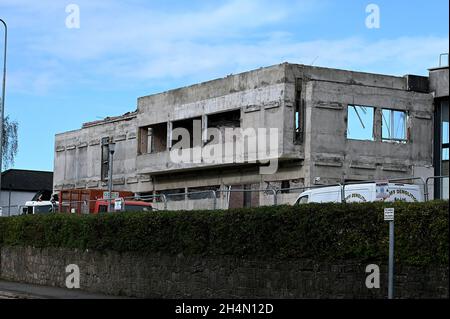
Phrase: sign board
pixel 389 214
pixel 118 203
pixel 114 195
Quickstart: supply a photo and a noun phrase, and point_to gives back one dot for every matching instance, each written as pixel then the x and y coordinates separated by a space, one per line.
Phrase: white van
pixel 360 193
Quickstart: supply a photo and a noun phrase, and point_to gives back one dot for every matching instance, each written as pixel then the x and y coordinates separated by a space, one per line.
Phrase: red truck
pixel 92 201
pixel 101 206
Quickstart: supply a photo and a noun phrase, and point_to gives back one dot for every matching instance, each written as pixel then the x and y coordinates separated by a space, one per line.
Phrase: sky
pixel 59 77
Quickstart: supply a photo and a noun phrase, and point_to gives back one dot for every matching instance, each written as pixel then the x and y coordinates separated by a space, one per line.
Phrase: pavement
pixel 16 290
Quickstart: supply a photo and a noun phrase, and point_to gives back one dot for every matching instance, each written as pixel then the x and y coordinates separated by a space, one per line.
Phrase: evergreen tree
pixel 10 142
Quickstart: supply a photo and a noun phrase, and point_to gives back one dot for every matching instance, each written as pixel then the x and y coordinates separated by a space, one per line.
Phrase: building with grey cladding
pixel 333 125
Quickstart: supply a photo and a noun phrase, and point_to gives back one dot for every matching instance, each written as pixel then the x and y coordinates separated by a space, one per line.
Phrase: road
pixel 15 290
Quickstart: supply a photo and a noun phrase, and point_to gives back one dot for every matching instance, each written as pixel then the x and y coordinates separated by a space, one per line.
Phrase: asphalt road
pixel 15 290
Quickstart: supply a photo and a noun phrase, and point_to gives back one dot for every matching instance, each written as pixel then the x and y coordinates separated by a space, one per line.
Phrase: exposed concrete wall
pixel 259 97
pixel 266 98
pixel 78 156
pixel 252 80
pixel 197 204
pixel 439 82
pixel 361 160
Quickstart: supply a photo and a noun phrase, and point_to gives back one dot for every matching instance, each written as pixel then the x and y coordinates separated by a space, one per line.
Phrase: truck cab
pixel 119 205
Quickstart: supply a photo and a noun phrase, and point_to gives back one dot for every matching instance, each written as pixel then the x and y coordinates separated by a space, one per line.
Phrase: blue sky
pixel 59 78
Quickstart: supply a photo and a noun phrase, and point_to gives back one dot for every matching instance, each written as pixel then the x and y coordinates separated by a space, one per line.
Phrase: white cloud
pixel 125 43
pixel 187 59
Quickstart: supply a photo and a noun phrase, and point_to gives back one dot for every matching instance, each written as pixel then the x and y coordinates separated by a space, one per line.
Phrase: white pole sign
pixel 118 204
pixel 389 214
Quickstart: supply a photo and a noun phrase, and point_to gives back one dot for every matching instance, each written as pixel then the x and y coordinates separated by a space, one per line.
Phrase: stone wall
pixel 163 276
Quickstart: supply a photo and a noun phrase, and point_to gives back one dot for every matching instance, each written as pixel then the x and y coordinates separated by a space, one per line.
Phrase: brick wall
pixel 163 276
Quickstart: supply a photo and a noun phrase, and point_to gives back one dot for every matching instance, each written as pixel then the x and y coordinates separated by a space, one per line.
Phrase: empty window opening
pixel 105 158
pixel 194 127
pixel 221 121
pixel 177 194
pixel 285 185
pixel 360 121
pixel 394 125
pixel 244 198
pixel 153 138
pixel 247 196
pixel 148 197
pixel 144 140
pixel 205 192
pixel 298 117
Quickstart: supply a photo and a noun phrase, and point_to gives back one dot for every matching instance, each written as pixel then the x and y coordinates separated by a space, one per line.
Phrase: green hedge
pixel 320 231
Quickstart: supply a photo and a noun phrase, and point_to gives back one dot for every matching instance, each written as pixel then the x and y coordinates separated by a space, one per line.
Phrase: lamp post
pixel 2 105
pixel 112 148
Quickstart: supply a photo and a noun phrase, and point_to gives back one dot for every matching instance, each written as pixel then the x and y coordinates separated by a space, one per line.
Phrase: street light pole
pixel 2 105
pixel 112 147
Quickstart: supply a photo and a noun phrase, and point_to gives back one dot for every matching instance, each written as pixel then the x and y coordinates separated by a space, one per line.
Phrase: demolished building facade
pixel 331 126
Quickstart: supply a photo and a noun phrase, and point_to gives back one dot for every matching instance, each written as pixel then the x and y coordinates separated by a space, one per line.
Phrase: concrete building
pixel 19 186
pixel 439 88
pixel 327 126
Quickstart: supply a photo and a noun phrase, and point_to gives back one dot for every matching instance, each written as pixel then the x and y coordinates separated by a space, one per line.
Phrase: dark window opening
pixel 298 116
pixel 152 139
pixel 144 140
pixel 177 194
pixel 203 192
pixel 221 121
pixel 247 196
pixel 194 127
pixel 240 199
pixel 105 158
pixel 285 185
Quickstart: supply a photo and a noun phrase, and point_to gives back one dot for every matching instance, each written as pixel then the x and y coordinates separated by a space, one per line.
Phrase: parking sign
pixel 388 214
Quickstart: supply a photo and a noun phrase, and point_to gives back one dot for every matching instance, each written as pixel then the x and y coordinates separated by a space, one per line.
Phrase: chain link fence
pixel 229 197
pixel 437 187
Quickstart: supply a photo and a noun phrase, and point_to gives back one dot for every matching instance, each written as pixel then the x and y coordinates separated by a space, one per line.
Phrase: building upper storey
pixel 329 122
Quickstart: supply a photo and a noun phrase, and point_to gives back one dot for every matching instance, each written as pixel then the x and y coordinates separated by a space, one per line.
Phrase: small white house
pixel 19 186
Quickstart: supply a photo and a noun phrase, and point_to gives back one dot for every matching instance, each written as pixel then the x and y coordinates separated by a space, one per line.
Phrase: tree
pixel 10 143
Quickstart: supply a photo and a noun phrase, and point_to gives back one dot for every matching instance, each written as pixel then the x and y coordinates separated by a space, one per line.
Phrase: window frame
pixel 299 114
pixel 373 108
pixel 406 129
pixel 104 161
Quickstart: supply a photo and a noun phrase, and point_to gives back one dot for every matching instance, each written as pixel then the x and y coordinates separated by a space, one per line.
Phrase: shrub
pixel 319 231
